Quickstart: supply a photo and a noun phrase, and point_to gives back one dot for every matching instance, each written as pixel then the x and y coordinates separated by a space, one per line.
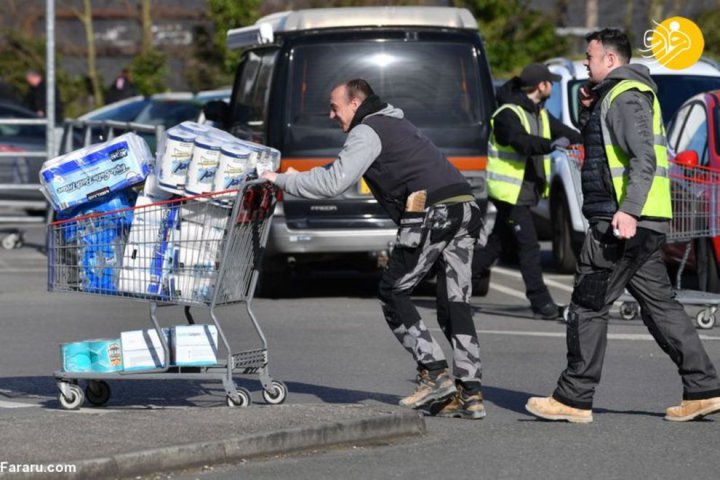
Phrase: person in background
pixel 439 222
pixel 36 96
pixel 121 88
pixel 626 199
pixel 523 135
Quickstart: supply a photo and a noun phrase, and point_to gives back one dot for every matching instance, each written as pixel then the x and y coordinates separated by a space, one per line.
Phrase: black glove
pixel 561 142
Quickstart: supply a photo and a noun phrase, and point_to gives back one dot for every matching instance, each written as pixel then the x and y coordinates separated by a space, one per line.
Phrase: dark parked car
pixel 166 109
pixel 20 138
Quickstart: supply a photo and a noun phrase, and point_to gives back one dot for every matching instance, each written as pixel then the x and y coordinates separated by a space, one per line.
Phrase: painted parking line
pixel 548 282
pixel 506 290
pixel 6 404
pixel 610 336
pixel 23 270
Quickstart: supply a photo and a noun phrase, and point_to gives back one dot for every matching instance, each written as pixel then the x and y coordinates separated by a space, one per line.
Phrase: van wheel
pixel 562 245
pixel 708 270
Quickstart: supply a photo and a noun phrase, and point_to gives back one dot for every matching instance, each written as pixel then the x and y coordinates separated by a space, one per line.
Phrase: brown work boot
pixel 550 409
pixel 431 388
pixel 693 409
pixel 464 405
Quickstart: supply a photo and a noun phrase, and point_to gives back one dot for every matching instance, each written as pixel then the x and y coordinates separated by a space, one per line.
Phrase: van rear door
pixel 440 81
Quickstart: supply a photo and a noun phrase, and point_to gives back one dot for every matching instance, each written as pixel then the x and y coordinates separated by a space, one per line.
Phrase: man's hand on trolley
pixel 272 176
pixel 624 225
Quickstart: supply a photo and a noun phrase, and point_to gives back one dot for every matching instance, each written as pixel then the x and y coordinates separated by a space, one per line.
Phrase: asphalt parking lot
pixel 329 344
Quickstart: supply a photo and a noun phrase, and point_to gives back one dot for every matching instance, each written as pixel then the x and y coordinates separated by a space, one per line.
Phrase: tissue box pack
pixel 87 174
pixel 142 349
pixel 194 345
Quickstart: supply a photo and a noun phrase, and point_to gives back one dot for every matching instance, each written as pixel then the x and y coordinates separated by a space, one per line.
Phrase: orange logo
pixel 676 43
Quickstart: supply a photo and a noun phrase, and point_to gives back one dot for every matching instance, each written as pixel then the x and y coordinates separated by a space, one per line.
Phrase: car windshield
pixel 126 112
pixel 436 85
pixel 673 90
pixel 168 113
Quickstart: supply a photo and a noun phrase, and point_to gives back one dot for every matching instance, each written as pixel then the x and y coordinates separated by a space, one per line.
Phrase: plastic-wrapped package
pixel 93 172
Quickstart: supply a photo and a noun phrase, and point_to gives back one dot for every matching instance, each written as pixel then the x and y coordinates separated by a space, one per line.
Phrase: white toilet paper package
pixel 90 173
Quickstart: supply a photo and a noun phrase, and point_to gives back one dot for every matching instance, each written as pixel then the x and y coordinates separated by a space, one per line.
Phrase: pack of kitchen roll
pixel 95 171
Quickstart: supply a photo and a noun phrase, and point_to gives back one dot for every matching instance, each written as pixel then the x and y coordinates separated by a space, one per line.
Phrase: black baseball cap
pixel 535 73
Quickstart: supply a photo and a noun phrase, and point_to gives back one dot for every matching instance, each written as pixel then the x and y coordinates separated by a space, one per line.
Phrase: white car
pixel 560 215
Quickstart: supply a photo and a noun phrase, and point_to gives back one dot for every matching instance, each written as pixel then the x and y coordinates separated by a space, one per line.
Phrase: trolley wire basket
pixel 201 251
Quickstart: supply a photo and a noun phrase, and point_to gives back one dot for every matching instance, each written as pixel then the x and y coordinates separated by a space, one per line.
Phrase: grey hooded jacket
pixel 630 119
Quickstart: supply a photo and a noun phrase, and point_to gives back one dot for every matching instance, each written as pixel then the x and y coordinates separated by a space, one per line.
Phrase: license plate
pixel 363 187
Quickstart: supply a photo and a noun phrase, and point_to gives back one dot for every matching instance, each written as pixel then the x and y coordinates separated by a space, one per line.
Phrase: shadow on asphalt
pixel 175 393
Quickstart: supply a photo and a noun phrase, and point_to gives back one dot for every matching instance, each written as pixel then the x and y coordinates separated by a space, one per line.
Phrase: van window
pixel 252 87
pixel 436 84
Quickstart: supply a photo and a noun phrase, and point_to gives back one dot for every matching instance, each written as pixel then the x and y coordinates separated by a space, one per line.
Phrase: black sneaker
pixel 549 311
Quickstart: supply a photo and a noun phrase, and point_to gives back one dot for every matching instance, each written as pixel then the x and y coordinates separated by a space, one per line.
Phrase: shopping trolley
pixel 695 192
pixel 202 251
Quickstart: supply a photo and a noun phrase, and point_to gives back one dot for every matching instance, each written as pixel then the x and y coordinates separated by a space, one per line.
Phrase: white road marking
pixel 507 290
pixel 23 270
pixel 611 336
pixel 549 282
pixel 5 404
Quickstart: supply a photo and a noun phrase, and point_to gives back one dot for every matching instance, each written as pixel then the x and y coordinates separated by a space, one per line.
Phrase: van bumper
pixel 283 240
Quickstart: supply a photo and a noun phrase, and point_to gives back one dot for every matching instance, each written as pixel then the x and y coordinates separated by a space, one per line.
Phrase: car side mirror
pixel 217 111
pixel 687 158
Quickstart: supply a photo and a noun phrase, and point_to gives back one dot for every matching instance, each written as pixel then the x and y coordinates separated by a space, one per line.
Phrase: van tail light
pixel 11 148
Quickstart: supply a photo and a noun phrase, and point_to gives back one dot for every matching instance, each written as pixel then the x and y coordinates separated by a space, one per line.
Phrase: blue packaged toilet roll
pixel 76 357
pixel 105 355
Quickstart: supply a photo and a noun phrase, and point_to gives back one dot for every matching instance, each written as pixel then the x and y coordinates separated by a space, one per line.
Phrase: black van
pixel 428 61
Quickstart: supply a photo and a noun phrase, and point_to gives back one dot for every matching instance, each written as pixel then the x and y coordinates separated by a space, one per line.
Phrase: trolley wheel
pixel 277 394
pixel 705 319
pixel 12 240
pixel 97 392
pixel 629 310
pixel 77 397
pixel 243 399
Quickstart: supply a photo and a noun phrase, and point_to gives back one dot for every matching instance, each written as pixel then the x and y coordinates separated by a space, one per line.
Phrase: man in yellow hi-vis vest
pixel 523 135
pixel 626 198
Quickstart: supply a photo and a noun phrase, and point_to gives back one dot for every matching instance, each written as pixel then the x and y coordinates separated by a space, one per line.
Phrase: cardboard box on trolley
pixel 142 349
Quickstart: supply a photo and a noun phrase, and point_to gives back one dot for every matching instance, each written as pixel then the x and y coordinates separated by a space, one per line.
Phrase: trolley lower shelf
pixel 97 391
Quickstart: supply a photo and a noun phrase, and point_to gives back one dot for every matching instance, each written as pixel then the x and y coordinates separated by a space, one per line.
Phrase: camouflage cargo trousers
pixel 443 239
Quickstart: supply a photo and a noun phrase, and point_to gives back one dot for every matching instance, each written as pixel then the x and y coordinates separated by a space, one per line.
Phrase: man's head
pixel 536 81
pixel 607 50
pixel 33 78
pixel 346 98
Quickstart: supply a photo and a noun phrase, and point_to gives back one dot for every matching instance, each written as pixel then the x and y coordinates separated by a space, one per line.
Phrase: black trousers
pixel 514 226
pixel 605 268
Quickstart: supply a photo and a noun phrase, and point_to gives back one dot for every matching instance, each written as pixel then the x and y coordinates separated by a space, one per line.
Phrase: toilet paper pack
pixel 92 172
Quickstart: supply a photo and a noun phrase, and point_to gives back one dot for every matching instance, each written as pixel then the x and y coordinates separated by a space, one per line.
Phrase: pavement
pixel 120 443
pixel 124 439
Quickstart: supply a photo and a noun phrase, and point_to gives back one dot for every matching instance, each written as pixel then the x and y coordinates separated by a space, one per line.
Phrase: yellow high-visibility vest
pixel 506 167
pixel 658 202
